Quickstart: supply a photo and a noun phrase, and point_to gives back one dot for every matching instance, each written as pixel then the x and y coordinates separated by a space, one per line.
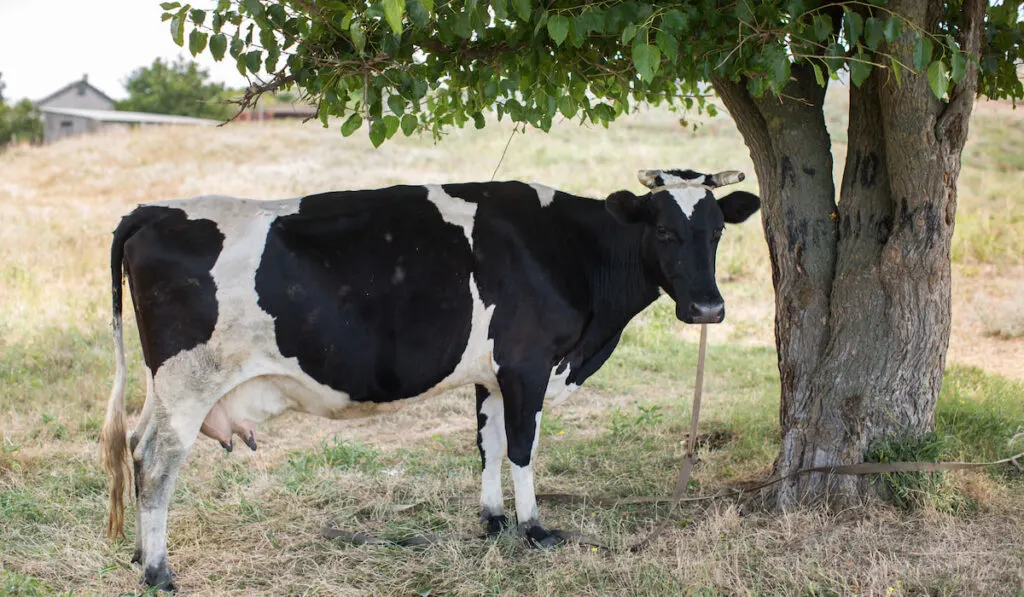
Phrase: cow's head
pixel 682 226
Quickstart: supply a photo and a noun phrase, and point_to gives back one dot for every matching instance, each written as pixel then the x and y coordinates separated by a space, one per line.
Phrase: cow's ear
pixel 627 207
pixel 738 206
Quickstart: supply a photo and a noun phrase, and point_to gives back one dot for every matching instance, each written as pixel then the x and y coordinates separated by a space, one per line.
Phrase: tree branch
pixel 252 94
pixel 961 100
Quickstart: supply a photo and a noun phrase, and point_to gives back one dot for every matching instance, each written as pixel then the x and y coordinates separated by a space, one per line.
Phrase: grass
pixel 248 522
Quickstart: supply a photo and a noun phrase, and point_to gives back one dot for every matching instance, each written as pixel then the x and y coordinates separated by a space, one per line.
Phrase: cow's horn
pixel 648 178
pixel 728 177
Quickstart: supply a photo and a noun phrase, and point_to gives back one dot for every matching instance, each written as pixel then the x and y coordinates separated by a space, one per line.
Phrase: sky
pixel 46 44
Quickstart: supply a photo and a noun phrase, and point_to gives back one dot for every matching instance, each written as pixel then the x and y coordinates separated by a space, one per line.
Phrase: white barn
pixel 79 108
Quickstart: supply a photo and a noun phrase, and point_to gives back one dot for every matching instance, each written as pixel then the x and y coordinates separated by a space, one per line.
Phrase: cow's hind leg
pixel 490 439
pixel 522 390
pixel 162 441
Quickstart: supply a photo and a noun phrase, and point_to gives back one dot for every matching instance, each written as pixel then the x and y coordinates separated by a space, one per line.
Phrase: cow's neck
pixel 621 286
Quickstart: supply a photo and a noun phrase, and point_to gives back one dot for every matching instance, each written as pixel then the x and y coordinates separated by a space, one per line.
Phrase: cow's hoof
pixel 539 538
pixel 494 525
pixel 160 578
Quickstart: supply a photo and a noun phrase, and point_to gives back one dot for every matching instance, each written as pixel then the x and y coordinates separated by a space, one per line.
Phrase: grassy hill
pixel 248 522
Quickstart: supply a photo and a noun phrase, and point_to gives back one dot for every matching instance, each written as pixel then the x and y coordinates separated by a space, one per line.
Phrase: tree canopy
pixel 19 123
pixel 421 64
pixel 181 87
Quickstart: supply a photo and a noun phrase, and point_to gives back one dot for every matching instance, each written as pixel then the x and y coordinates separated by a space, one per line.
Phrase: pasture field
pixel 248 522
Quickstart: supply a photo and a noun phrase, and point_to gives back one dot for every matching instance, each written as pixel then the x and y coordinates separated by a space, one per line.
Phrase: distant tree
pixel 181 87
pixel 19 123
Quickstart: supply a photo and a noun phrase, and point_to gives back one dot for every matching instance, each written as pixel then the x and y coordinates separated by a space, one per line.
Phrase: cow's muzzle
pixel 701 312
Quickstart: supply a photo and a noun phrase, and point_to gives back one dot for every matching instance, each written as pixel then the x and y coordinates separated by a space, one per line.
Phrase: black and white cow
pixel 247 309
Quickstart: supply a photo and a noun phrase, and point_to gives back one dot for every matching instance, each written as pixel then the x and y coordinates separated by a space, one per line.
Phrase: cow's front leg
pixel 490 439
pixel 523 394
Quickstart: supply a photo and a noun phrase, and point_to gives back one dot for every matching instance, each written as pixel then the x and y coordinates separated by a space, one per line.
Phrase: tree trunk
pixel 863 287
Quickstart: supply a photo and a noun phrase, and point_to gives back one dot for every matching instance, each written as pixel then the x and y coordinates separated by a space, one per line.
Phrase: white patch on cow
pixel 241 363
pixel 492 442
pixel 686 197
pixel 558 388
pixel 453 210
pixel 522 483
pixel 545 194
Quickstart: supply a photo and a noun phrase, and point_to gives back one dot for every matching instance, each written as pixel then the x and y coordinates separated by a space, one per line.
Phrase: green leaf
pixel 873 34
pixel 178 29
pixel 409 124
pixel 859 69
pixel 428 5
pixel 675 22
pixel 523 9
pixel 628 33
pixel 834 57
pixel 558 28
pixel 254 8
pixel 647 59
pixel 938 78
pixel 418 16
pixel 252 61
pixel 378 133
pixel 198 16
pixel 393 11
pixel 818 76
pixel 853 26
pixel 959 67
pixel 745 12
pixel 922 52
pixel 896 71
pixel 893 29
pixel 358 37
pixel 351 124
pixel 218 43
pixel 567 106
pixel 237 45
pixel 668 45
pixel 391 124
pixel 197 41
pixel 779 67
pixel 169 5
pixel 822 26
pixel 478 120
pixel 396 103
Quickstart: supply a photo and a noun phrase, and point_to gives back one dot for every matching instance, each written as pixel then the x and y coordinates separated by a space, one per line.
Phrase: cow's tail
pixel 114 454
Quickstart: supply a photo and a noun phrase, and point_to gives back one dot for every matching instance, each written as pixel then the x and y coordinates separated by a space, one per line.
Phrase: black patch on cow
pixel 328 277
pixel 168 259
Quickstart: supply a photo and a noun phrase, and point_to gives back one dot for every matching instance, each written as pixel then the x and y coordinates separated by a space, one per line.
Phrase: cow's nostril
pixel 707 312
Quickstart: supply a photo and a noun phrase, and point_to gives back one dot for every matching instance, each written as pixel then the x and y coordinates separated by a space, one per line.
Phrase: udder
pixel 239 412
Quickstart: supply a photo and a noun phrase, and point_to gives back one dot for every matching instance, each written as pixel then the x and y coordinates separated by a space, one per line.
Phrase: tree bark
pixel 863 287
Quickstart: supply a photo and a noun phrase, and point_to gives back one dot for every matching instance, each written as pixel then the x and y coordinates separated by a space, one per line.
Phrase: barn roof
pixel 82 81
pixel 129 117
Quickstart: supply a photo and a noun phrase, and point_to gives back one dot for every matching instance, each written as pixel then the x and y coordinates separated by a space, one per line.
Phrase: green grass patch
pixel 980 416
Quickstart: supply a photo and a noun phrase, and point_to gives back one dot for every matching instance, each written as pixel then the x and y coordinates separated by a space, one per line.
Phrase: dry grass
pixel 247 523
pixel 1004 317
